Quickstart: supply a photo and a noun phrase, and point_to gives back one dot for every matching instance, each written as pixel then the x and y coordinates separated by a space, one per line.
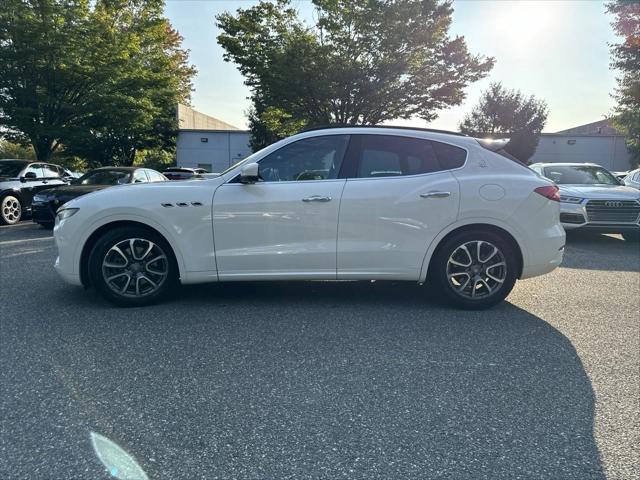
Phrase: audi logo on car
pixel 612 204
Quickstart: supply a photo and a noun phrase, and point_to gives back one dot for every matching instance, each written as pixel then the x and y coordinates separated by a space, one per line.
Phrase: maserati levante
pixel 357 203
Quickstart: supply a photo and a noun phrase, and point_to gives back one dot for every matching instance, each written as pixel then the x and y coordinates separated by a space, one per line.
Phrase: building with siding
pixel 209 143
pixel 596 142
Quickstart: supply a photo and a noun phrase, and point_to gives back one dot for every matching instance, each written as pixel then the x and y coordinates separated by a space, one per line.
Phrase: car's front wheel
pixel 133 266
pixel 10 210
pixel 474 270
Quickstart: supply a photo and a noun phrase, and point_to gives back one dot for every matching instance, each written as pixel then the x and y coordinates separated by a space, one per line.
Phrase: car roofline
pixel 385 127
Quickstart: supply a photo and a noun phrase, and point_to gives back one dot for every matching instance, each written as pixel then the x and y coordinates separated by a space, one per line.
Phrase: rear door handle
pixel 316 198
pixel 435 194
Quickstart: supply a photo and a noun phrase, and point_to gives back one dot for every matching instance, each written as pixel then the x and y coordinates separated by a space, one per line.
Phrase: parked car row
pixel 39 189
pixel 335 204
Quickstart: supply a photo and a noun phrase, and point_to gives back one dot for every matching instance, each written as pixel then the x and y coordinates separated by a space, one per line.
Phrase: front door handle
pixel 316 198
pixel 435 194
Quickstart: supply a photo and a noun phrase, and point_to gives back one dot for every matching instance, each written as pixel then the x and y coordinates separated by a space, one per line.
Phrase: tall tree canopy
pixel 45 82
pixel 361 62
pixel 103 78
pixel 508 113
pixel 626 58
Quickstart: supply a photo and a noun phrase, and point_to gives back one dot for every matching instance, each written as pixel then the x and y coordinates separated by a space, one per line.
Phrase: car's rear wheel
pixel 133 266
pixel 633 236
pixel 474 270
pixel 10 210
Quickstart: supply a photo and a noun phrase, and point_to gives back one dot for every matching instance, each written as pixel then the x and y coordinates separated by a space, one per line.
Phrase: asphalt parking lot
pixel 323 380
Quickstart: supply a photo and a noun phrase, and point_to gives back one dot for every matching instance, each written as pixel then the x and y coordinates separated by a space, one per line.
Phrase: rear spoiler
pixel 493 144
pixel 498 146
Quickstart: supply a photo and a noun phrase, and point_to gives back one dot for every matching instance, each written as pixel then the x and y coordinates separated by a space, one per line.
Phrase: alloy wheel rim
pixel 11 209
pixel 135 267
pixel 476 269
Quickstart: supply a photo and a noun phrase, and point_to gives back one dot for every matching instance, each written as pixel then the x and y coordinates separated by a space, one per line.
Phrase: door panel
pixel 402 197
pixel 277 229
pixel 386 224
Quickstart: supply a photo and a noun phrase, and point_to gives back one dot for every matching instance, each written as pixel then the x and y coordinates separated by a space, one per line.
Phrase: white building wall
pixel 608 151
pixel 213 150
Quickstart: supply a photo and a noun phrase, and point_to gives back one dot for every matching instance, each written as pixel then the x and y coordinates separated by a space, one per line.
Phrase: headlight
pixel 66 213
pixel 568 199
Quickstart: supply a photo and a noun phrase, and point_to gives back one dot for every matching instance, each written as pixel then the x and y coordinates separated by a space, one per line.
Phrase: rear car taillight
pixel 552 192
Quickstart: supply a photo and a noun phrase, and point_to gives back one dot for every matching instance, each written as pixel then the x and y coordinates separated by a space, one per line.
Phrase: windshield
pixel 580 175
pixel 11 169
pixel 104 177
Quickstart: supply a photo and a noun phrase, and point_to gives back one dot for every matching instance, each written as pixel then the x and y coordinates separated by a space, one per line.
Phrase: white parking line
pixel 11 242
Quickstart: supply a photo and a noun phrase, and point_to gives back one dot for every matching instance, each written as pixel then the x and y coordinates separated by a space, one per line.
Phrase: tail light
pixel 552 192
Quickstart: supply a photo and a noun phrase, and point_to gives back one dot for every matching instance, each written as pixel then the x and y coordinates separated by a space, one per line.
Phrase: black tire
pixel 440 270
pixel 11 210
pixel 103 251
pixel 633 236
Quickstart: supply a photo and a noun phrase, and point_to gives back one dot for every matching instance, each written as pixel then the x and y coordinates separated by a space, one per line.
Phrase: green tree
pixel 626 58
pixel 45 83
pixel 101 78
pixel 361 62
pixel 508 113
pixel 144 75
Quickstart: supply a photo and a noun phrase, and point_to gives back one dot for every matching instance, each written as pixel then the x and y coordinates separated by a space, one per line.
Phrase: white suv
pixel 358 203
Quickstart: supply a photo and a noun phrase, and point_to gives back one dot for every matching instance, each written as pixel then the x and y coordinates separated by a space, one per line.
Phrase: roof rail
pixel 334 126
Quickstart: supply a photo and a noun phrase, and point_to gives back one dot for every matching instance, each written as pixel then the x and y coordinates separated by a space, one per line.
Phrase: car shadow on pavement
pixel 351 380
pixel 594 251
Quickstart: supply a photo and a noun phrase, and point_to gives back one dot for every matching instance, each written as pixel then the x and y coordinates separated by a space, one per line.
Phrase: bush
pixel 13 150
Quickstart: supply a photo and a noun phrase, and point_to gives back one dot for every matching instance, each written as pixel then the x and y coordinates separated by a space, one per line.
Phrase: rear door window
pixel 155 176
pixel 139 177
pixel 392 156
pixel 50 171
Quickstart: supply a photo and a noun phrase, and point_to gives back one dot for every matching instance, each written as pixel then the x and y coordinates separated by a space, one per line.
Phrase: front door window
pixel 317 158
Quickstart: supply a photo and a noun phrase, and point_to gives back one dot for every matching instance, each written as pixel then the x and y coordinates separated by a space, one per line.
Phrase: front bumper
pixel 574 216
pixel 43 212
pixel 69 277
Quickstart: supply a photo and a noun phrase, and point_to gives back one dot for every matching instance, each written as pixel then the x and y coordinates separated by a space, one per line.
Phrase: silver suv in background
pixel 592 198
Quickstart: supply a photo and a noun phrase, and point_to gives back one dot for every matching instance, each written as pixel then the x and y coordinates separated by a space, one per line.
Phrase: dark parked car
pixel 46 203
pixel 20 180
pixel 183 173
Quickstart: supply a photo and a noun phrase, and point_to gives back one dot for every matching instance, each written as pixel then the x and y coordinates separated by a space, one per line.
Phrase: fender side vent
pixel 167 205
pixel 196 204
pixel 182 204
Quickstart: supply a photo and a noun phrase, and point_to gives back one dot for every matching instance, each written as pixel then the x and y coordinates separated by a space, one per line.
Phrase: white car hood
pixel 618 192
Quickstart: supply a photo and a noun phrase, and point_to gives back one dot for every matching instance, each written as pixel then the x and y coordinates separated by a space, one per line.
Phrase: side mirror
pixel 28 176
pixel 250 173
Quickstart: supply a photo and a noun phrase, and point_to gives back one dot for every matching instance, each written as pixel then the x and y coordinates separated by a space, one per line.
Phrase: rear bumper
pixel 545 252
